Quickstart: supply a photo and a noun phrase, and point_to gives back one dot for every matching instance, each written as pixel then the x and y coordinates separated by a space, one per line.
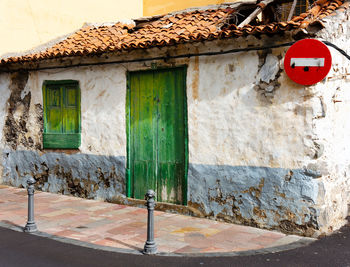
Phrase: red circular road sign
pixel 307 61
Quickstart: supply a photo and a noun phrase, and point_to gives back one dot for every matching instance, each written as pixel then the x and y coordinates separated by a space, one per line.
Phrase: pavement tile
pixel 65 233
pixel 90 238
pixel 117 243
pixel 98 223
pixel 211 250
pixel 285 240
pixel 169 245
pixel 264 240
pixel 188 249
pixel 58 212
pixel 21 193
pixel 122 226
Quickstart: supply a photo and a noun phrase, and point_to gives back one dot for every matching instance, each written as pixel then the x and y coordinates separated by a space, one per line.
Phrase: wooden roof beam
pixel 260 8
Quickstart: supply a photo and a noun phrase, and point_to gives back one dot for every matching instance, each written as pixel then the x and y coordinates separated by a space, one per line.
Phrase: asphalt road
pixel 21 249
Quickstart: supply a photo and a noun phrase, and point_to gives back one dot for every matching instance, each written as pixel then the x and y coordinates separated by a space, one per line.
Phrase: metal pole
pixel 30 226
pixel 150 245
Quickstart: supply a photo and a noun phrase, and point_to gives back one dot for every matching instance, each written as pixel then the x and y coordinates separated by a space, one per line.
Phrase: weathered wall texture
pixel 97 169
pixel 331 123
pixel 257 129
pixel 276 153
pixel 263 150
pixel 5 94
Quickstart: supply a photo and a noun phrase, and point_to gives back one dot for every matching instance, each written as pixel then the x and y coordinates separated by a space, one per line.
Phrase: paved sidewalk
pixel 123 228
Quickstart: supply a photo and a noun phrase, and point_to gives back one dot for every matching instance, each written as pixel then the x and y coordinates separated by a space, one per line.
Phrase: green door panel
pixel 171 135
pixel 143 123
pixel 157 134
pixel 170 181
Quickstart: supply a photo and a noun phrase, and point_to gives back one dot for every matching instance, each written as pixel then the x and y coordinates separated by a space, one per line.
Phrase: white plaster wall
pixel 332 129
pixel 225 113
pixel 5 94
pixel 103 92
pixel 250 141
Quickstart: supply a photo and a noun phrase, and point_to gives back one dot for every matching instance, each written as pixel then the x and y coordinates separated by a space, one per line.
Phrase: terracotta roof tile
pixel 171 29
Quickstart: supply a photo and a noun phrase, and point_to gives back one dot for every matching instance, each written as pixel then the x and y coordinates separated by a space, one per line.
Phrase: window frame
pixel 63 140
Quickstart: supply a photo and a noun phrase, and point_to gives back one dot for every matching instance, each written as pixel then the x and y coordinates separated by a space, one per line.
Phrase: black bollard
pixel 150 245
pixel 30 226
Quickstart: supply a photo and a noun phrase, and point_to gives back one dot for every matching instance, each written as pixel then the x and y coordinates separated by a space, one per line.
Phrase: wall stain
pixel 15 129
pixel 81 187
pixel 260 213
pixel 195 81
pixel 255 191
pixel 290 227
pixel 41 177
pixel 40 122
pixel 102 93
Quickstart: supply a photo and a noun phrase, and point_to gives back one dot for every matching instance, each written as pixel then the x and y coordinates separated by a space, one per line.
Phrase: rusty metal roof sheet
pixel 171 29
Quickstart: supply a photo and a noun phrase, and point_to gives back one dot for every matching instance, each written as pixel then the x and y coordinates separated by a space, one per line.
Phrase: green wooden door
pixel 157 134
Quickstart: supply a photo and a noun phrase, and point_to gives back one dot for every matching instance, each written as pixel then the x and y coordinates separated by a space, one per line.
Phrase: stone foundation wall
pixel 276 198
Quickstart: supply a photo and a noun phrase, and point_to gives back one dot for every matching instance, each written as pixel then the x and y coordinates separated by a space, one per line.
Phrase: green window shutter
pixel 61 114
pixel 54 110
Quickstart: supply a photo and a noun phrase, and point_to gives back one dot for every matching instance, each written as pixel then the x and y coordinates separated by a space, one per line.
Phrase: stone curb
pixel 304 241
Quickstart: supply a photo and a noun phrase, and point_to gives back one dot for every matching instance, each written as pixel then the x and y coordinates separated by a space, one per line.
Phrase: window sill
pixel 68 151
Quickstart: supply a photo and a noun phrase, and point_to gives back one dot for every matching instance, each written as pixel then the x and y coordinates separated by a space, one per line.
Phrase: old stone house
pixel 193 106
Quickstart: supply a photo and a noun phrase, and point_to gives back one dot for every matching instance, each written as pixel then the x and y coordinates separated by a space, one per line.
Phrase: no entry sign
pixel 307 61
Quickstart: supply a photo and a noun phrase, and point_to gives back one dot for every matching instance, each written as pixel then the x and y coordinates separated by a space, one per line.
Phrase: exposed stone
pixel 312 171
pixel 254 196
pixel 269 88
pixel 319 147
pixel 15 130
pixel 270 69
pixel 267 78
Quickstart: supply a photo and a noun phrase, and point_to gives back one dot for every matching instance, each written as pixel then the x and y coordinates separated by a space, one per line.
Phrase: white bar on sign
pixel 307 62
